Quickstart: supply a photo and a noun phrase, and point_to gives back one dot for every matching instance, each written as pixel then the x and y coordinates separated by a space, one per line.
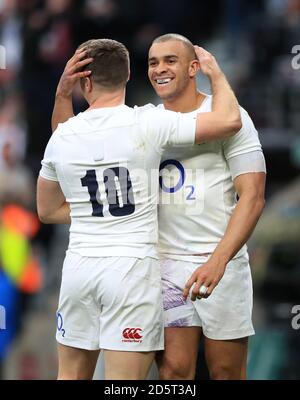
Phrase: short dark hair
pixel 175 37
pixel 110 65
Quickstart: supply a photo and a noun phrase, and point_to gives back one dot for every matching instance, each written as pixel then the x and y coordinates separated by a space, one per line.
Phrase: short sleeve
pixel 168 128
pixel 245 141
pixel 48 165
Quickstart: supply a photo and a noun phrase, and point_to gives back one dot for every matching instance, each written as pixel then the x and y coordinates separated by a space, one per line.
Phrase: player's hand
pixel 208 63
pixel 209 275
pixel 72 73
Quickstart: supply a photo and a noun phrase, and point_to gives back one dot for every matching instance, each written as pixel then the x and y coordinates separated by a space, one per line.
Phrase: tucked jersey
pixel 106 162
pixel 197 195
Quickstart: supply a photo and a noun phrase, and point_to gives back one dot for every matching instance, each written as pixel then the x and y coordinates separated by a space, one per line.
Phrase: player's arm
pixel 224 120
pixel 250 188
pixel 52 207
pixel 63 106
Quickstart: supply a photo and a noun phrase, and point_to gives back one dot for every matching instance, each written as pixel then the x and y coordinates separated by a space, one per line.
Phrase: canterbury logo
pixel 132 335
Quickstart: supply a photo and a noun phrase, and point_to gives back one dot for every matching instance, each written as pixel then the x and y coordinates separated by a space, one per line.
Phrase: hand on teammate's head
pixel 74 70
pixel 208 63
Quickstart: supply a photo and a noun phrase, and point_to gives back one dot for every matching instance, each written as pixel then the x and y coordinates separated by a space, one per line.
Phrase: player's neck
pixel 185 103
pixel 107 99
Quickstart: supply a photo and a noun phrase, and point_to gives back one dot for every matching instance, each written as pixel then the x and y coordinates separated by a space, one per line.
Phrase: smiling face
pixel 171 68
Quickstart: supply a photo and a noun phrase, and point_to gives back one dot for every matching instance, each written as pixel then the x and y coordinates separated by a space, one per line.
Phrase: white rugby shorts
pixel 112 303
pixel 226 314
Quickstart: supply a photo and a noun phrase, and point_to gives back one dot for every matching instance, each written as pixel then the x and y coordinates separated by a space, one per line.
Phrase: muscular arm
pixel 62 110
pixel 250 188
pixel 63 106
pixel 51 203
pixel 224 120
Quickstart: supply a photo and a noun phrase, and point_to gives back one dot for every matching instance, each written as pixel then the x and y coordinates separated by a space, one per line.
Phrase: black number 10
pixel 118 189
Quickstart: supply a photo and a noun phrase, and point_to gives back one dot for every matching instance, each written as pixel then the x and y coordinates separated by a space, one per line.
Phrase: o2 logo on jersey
pixel 182 177
pixel 59 324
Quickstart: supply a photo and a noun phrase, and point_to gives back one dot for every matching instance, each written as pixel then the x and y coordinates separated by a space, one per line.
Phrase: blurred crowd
pixel 252 40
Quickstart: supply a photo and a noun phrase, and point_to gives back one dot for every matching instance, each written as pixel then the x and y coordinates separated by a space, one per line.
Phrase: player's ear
pixel 88 84
pixel 194 68
pixel 129 76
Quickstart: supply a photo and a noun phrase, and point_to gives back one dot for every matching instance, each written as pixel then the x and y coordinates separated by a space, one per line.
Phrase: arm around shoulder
pixel 213 126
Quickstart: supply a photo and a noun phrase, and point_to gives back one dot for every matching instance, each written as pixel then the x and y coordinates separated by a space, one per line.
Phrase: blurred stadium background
pixel 257 43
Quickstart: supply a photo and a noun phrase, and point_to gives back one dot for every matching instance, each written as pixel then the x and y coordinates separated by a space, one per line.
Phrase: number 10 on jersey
pixel 118 191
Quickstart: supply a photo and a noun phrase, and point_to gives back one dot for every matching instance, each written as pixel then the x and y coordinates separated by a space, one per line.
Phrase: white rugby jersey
pixel 197 195
pixel 106 161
